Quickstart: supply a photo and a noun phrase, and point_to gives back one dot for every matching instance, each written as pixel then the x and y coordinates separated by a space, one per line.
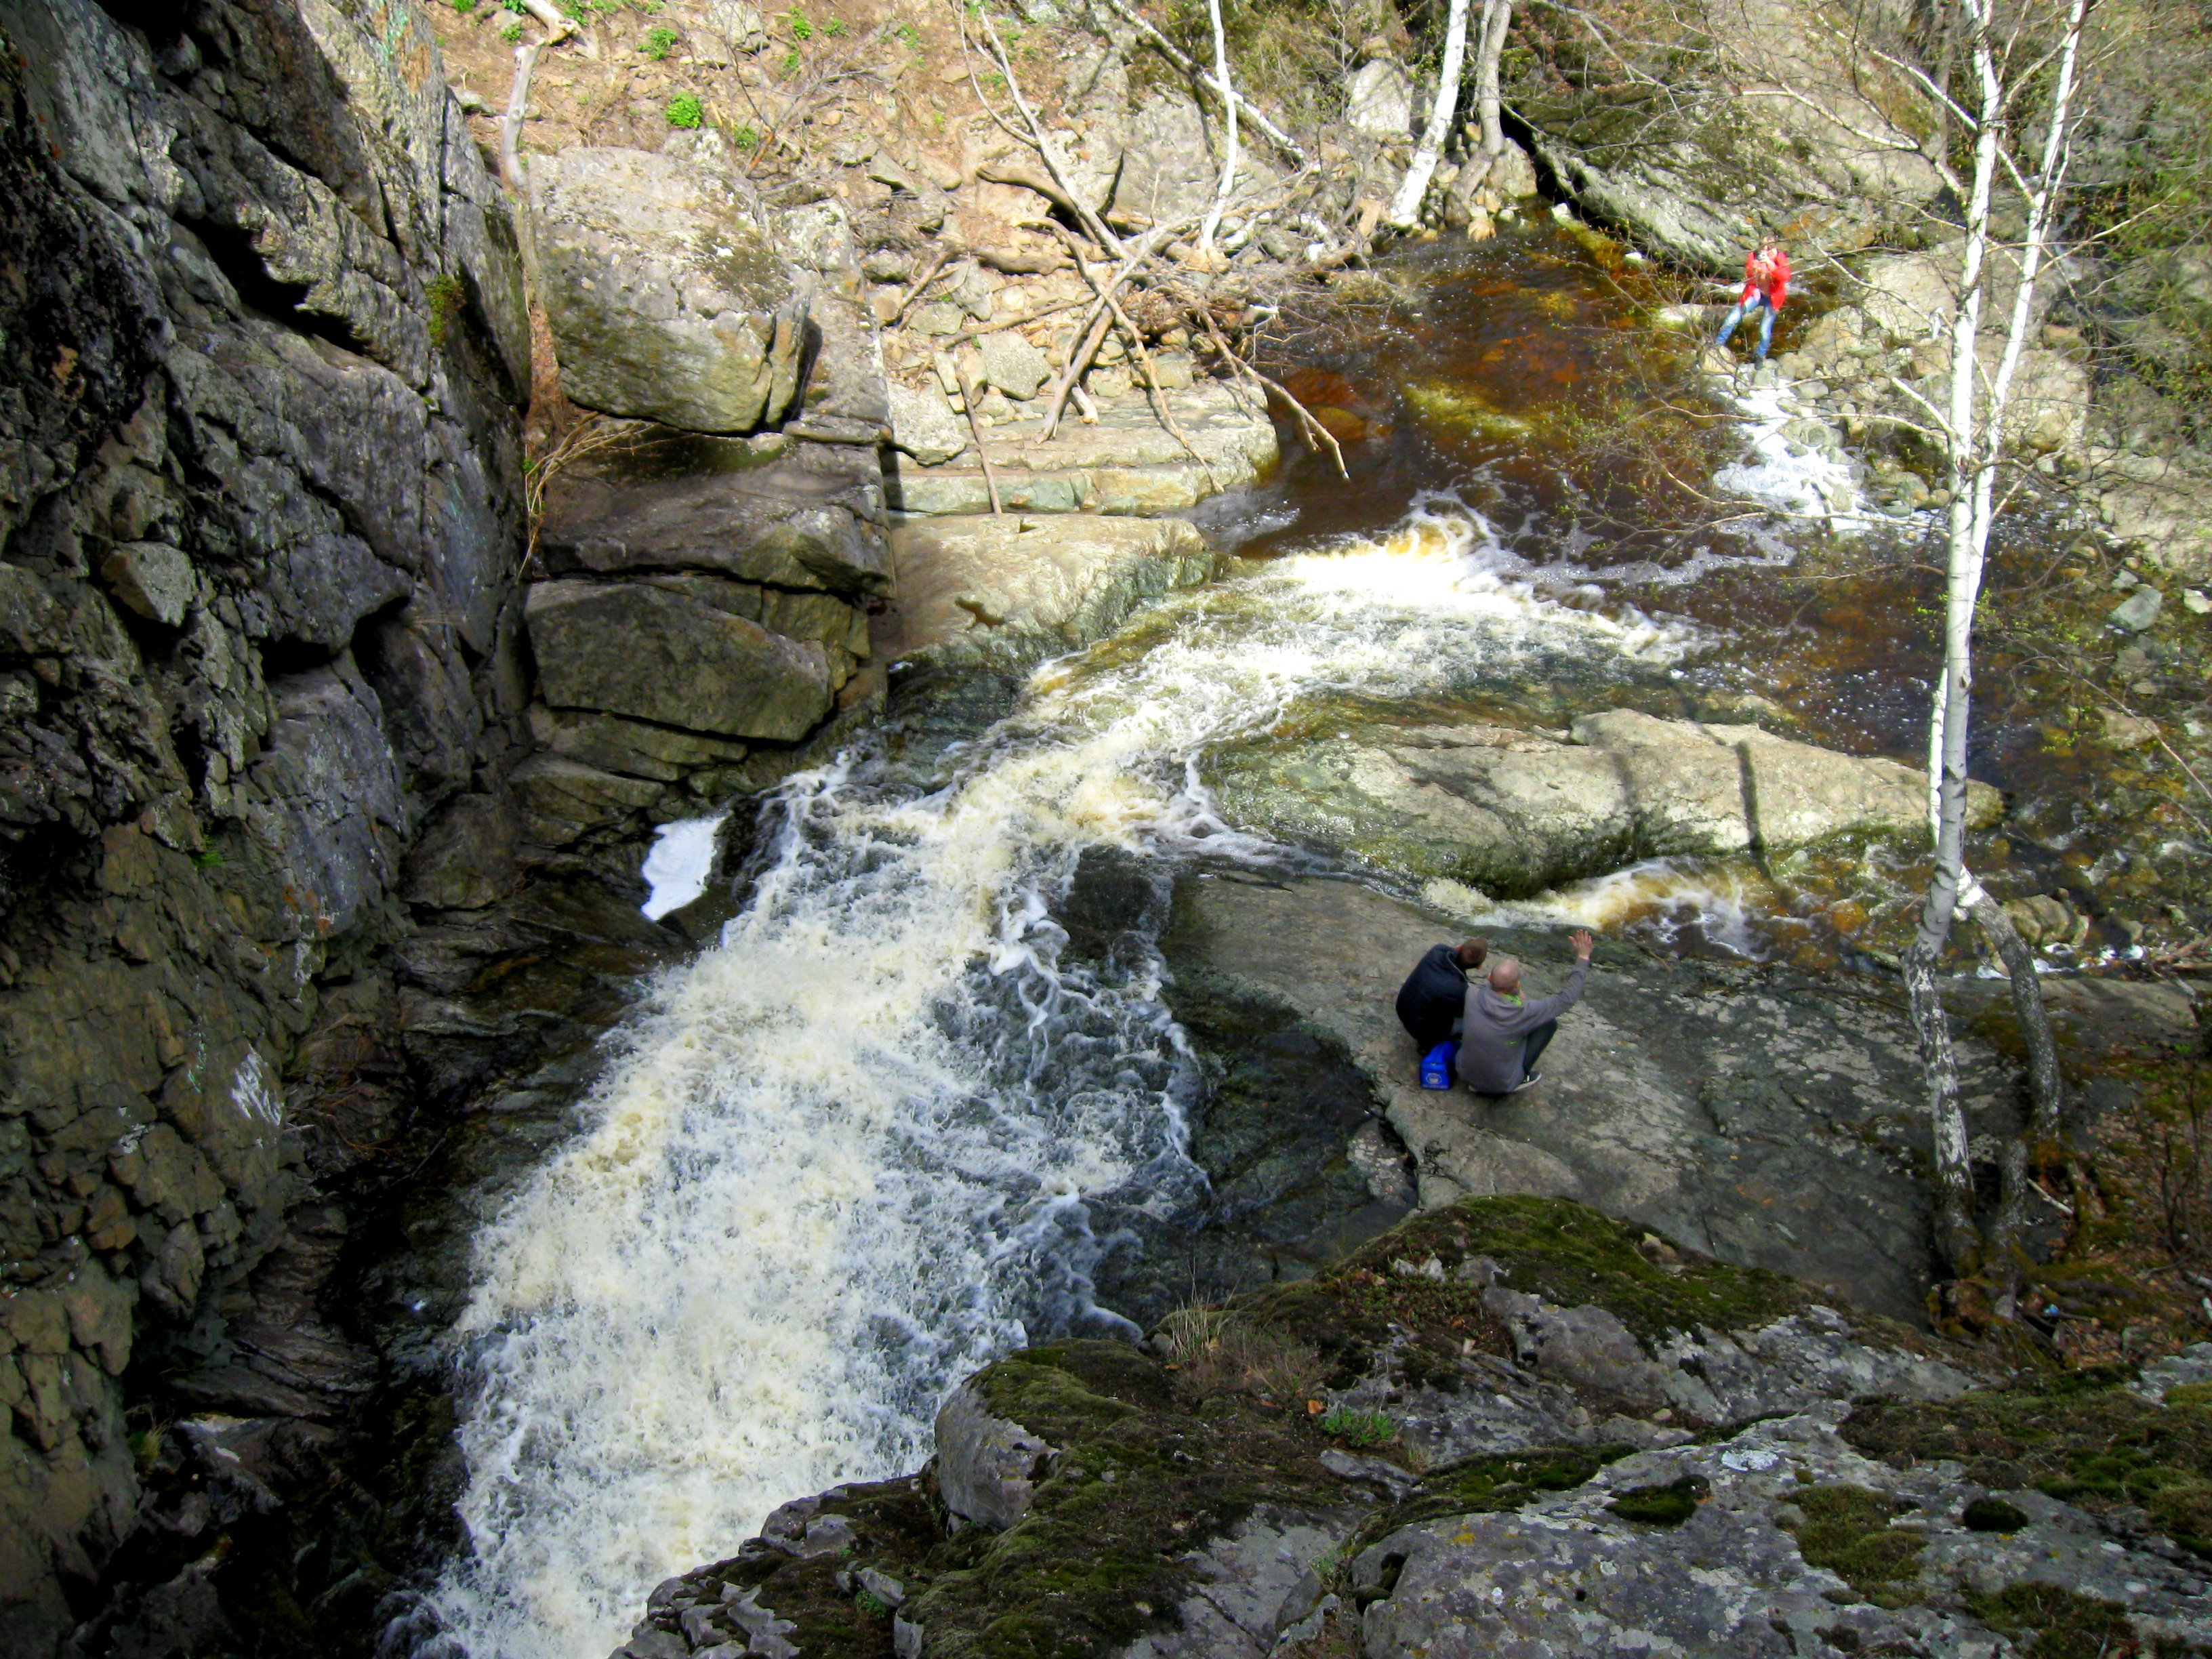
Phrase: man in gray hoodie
pixel 1502 1032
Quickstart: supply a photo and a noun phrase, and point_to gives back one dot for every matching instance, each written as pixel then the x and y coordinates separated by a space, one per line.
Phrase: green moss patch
pixel 1992 1514
pixel 1847 1530
pixel 1144 1474
pixel 1571 1254
pixel 2086 1440
pixel 1491 1483
pixel 1667 1505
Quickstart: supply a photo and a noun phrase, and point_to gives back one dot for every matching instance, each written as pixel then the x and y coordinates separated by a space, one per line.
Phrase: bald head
pixel 1469 955
pixel 1506 976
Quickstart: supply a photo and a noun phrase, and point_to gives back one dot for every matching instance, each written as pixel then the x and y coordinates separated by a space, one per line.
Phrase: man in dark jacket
pixel 1430 999
pixel 1502 1032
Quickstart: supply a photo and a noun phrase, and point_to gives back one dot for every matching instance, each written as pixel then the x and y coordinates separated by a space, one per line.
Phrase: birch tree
pixel 1970 428
pixel 1212 224
pixel 1489 48
pixel 1406 209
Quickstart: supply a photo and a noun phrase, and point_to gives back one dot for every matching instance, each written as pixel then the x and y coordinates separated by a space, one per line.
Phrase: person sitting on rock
pixel 1502 1033
pixel 1765 286
pixel 1430 1000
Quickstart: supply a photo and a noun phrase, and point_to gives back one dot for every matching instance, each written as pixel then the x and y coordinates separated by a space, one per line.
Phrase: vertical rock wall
pixel 263 338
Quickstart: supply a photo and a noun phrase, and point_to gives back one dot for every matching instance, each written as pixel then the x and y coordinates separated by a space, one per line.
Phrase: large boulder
pixel 674 657
pixel 1513 812
pixel 664 302
pixel 1007 589
pixel 1729 117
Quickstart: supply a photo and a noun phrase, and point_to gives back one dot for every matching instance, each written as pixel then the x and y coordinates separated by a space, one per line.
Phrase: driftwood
pixel 948 363
pixel 928 275
pixel 1039 138
pixel 1136 338
pixel 1316 434
pixel 1022 321
pixel 1183 61
pixel 510 124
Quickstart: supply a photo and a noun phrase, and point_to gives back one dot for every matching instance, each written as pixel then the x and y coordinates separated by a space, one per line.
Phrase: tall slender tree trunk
pixel 1497 18
pixel 1406 209
pixel 1212 225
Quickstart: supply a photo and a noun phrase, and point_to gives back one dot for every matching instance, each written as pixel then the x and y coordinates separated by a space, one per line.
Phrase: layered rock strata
pixel 261 340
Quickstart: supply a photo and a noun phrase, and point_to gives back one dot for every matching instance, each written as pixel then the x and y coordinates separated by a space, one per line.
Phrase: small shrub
pixel 791 61
pixel 1359 1428
pixel 746 139
pixel 660 42
pixel 872 1605
pixel 800 28
pixel 836 29
pixel 464 7
pixel 511 34
pixel 911 35
pixel 1992 1514
pixel 447 294
pixel 685 110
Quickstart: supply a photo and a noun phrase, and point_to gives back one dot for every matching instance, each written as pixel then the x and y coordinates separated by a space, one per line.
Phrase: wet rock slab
pixel 1762 1118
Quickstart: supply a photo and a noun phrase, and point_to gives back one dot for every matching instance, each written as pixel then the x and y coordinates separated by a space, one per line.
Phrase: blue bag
pixel 1437 1071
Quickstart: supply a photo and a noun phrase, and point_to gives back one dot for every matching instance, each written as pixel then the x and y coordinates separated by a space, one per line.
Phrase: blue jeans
pixel 1757 302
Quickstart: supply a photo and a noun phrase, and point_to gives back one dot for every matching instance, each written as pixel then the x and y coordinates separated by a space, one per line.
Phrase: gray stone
pixel 924 425
pixel 466 859
pixel 736 22
pixel 664 302
pixel 1512 811
pixel 1013 365
pixel 153 580
pixel 2139 609
pixel 633 748
pixel 2190 1368
pixel 1678 1098
pixel 1379 101
pixel 987 1467
pixel 563 801
pixel 1013 588
pixel 632 649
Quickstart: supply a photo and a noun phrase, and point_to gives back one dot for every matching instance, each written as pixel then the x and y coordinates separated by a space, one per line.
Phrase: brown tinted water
pixel 1529 378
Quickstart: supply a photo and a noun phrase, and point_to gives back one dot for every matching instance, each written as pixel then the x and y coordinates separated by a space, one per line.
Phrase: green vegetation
pixel 2064 1625
pixel 2084 1438
pixel 801 30
pixel 745 139
pixel 685 110
pixel 1847 1530
pixel 447 294
pixel 872 1605
pixel 464 7
pixel 1360 1428
pixel 1992 1514
pixel 792 61
pixel 512 33
pixel 660 42
pixel 1669 1505
pixel 836 29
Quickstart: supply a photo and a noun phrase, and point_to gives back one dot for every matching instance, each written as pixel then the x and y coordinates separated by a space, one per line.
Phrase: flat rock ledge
pixel 1512 811
pixel 1128 462
pixel 1511 1424
pixel 1003 590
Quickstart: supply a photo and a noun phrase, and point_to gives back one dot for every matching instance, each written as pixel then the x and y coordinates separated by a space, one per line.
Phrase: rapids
pixel 847 1154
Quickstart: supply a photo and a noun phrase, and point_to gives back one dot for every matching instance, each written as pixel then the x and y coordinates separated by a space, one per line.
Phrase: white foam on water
pixel 1797 482
pixel 679 863
pixel 848 1156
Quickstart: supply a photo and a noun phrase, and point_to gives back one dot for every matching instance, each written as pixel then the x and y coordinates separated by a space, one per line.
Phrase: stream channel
pixel 937 1092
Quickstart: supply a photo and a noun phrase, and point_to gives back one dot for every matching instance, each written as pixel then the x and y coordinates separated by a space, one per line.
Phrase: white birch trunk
pixel 1497 18
pixel 1406 209
pixel 1212 225
pixel 1973 434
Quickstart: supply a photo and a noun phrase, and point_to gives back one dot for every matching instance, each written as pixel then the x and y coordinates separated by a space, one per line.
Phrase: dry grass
pixel 1221 1350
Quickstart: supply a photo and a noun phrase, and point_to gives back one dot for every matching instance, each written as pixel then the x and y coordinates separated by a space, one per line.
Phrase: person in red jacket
pixel 1766 285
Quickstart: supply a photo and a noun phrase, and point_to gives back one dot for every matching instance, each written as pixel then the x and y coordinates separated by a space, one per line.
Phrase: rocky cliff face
pixel 263 341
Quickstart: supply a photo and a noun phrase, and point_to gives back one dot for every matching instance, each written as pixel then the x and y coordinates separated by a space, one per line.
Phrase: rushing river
pixel 849 1154
pixel 873 1137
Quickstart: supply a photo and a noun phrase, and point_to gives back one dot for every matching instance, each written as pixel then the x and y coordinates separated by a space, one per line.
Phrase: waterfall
pixel 848 1155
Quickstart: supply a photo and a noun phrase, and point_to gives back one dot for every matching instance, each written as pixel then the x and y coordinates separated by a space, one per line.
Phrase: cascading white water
pixel 846 1156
